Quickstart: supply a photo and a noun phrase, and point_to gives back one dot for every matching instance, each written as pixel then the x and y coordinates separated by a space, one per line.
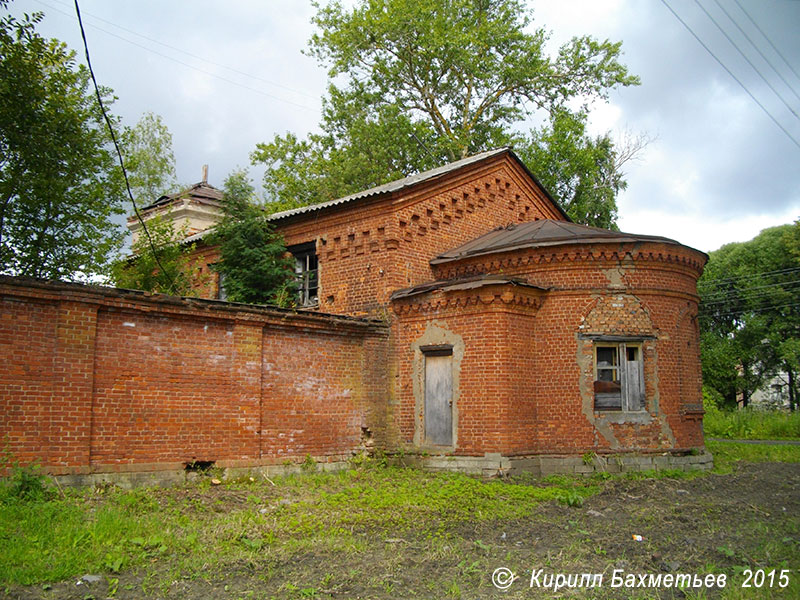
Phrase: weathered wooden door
pixel 439 399
pixel 633 386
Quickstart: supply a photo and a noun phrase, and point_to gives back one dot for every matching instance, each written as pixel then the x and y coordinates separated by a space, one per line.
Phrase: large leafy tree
pixel 750 315
pixel 429 81
pixel 583 172
pixel 254 266
pixel 149 160
pixel 59 182
pixel 160 262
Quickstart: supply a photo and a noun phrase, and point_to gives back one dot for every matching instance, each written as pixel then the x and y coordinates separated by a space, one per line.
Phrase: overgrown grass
pixel 750 424
pixel 728 453
pixel 353 518
pixel 50 538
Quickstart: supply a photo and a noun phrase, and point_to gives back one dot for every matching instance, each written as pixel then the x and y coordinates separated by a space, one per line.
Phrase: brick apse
pixel 457 316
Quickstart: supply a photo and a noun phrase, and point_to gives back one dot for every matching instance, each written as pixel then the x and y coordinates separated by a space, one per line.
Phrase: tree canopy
pixel 426 82
pixel 750 315
pixel 254 266
pixel 163 266
pixel 59 182
pixel 147 149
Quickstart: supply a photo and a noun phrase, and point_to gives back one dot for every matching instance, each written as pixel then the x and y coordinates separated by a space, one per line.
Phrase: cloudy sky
pixel 227 75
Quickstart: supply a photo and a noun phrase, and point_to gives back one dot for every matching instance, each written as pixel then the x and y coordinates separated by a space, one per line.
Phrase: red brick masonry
pixel 97 380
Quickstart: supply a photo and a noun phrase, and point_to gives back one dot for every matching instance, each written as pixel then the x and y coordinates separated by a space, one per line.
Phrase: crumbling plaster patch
pixel 619 314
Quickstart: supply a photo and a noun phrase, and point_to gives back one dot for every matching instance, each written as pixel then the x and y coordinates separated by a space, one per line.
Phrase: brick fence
pixel 102 380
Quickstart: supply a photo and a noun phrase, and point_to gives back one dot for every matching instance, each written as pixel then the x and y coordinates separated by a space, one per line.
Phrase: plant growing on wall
pixel 254 265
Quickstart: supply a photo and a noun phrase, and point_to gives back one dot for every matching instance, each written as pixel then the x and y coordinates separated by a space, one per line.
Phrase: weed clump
pixel 26 484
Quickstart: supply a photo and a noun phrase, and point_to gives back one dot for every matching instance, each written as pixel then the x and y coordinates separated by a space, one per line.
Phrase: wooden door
pixel 634 379
pixel 439 399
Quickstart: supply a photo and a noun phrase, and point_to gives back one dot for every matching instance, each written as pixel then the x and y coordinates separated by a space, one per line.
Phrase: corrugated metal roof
pixel 464 283
pixel 536 234
pixel 393 186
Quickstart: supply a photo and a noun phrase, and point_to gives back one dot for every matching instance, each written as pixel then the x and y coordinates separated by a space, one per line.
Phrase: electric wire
pixel 190 66
pixel 714 56
pixel 762 274
pixel 749 62
pixel 187 53
pixel 119 151
pixel 752 298
pixel 724 292
pixel 757 49
pixel 747 310
pixel 766 37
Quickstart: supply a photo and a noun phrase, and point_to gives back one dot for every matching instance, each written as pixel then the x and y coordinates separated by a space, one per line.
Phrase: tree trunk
pixel 792 399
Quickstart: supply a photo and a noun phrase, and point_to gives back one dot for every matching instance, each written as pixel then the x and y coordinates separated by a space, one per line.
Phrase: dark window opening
pixel 307 273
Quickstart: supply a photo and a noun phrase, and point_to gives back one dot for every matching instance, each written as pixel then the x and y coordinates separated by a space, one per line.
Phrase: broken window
pixel 306 270
pixel 618 377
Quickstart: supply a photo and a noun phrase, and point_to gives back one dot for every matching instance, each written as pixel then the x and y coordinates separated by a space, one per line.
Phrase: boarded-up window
pixel 618 377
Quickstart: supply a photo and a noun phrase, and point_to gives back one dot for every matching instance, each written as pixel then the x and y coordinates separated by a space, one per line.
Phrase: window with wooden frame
pixel 306 270
pixel 618 376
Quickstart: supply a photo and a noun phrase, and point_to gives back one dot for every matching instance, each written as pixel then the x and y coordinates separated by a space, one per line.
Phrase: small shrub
pixel 572 498
pixel 26 483
pixel 309 464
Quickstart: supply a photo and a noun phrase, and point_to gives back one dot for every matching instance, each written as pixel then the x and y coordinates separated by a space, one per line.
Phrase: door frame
pixel 435 337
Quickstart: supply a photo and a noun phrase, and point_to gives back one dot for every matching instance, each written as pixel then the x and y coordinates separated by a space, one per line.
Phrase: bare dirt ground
pixel 749 519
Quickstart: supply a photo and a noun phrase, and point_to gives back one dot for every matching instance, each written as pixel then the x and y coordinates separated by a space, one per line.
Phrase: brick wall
pixel 526 383
pixel 371 247
pixel 98 380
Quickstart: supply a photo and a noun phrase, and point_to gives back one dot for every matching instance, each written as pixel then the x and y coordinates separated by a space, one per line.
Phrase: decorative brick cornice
pixel 505 295
pixel 532 257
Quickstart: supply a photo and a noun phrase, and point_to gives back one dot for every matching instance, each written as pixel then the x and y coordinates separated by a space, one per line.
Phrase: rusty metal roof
pixel 199 191
pixel 411 180
pixel 541 233
pixel 463 283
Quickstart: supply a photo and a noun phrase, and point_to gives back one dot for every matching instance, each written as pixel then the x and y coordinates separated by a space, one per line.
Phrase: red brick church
pixel 456 316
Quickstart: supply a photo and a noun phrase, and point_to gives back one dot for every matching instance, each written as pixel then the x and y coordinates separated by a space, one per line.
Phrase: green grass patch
pixel 728 453
pixel 54 536
pixel 751 424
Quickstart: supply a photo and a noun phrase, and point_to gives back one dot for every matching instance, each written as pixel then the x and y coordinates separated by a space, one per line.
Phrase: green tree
pixel 147 149
pixel 750 316
pixel 254 265
pixel 59 182
pixel 428 82
pixel 163 267
pixel 584 173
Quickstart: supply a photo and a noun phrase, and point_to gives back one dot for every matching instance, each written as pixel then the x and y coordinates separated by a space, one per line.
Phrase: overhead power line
pixel 190 66
pixel 762 274
pixel 173 287
pixel 727 70
pixel 766 37
pixel 757 49
pixel 748 310
pixel 749 62
pixel 746 295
